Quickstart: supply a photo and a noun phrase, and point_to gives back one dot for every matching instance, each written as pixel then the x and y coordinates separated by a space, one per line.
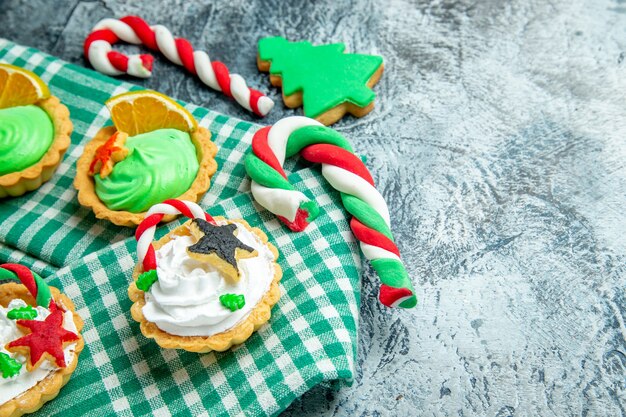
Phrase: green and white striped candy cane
pixel 346 173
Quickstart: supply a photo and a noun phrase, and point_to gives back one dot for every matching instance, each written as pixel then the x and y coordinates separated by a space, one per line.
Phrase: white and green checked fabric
pixel 310 339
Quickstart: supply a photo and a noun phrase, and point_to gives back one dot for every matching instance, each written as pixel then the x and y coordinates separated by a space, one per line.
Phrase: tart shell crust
pixel 220 341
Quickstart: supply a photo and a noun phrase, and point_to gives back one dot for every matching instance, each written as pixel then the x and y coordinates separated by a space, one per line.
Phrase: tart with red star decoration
pixel 40 341
pixel 45 341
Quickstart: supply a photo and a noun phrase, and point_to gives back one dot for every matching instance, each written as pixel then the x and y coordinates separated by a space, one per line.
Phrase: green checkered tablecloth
pixel 310 339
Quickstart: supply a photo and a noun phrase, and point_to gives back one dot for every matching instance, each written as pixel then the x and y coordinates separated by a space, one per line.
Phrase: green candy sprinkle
pixel 232 302
pixel 9 367
pixel 145 280
pixel 22 313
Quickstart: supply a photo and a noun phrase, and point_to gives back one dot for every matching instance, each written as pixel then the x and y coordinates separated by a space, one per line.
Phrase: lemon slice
pixel 139 112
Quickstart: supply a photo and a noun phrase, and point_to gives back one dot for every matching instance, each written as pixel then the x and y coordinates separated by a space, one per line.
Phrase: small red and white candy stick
pixel 145 231
pixel 135 30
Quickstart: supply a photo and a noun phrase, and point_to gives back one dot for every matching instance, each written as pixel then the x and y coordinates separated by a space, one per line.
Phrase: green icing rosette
pixel 26 133
pixel 161 164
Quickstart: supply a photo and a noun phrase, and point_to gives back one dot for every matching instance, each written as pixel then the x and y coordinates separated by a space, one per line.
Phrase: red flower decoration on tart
pixel 111 152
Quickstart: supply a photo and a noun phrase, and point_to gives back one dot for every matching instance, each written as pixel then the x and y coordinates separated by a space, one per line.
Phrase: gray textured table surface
pixel 499 142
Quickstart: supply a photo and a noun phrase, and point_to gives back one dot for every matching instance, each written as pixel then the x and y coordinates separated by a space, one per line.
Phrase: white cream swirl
pixel 185 299
pixel 24 380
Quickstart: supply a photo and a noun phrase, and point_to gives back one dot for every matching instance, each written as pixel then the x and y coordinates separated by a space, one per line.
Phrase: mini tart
pixel 85 184
pixel 48 388
pixel 220 342
pixel 31 178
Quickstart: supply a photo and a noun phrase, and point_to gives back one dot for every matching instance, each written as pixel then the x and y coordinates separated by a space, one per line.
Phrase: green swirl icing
pixel 161 164
pixel 26 133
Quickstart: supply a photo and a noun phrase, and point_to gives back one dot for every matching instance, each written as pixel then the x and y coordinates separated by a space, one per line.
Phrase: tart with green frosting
pixel 35 131
pixel 156 151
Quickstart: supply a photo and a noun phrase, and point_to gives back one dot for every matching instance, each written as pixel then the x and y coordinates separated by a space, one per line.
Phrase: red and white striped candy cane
pixel 135 30
pixel 145 231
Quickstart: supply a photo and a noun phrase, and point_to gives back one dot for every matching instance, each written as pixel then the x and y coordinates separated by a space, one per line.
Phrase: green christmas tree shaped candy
pixel 9 367
pixel 146 279
pixel 22 313
pixel 325 80
pixel 233 302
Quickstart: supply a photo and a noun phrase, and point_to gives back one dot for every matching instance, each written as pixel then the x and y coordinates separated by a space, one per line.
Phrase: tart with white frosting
pixel 186 301
pixel 40 341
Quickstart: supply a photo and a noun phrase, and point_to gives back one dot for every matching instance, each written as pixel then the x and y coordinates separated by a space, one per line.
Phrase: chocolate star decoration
pixel 219 245
pixel 47 337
